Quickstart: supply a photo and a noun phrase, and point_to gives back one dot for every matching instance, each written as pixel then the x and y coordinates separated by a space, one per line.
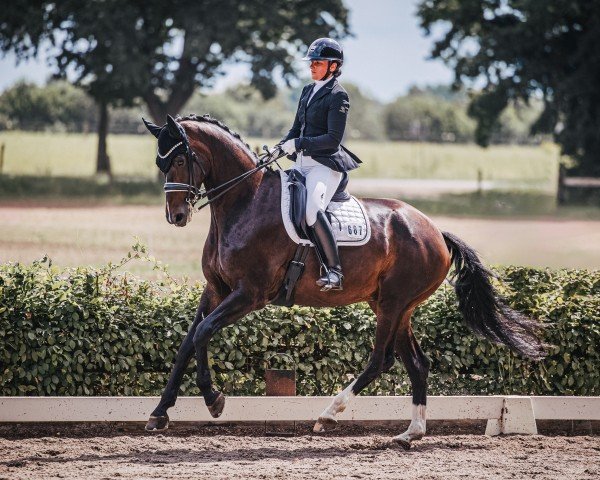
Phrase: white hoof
pixel 402 440
pixel 325 423
pixel 416 429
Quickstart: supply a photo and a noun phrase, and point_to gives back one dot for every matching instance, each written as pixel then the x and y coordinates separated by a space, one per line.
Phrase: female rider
pixel 314 142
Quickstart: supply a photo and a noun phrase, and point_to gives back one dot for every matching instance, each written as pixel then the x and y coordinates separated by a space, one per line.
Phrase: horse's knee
pixel 202 335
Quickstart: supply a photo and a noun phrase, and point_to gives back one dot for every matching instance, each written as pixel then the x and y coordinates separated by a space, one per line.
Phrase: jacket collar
pixel 324 90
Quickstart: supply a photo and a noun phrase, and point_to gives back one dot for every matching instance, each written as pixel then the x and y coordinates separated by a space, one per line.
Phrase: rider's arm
pixel 336 124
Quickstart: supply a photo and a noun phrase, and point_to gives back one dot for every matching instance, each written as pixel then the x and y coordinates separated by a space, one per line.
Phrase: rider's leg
pixel 321 184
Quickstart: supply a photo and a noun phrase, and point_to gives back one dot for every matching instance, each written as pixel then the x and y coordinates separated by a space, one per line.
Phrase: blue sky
pixel 387 55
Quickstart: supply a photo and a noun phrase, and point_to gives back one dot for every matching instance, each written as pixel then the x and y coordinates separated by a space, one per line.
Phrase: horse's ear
pixel 154 129
pixel 175 130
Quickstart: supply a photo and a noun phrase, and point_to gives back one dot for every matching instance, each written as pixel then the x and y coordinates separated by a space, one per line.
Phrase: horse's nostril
pixel 179 217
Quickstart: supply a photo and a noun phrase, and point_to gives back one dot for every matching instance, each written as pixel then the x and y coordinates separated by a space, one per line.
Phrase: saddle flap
pixel 349 220
pixel 297 188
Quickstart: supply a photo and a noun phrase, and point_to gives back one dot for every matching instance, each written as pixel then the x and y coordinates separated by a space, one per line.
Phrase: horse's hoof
pixel 405 444
pixel 325 424
pixel 157 424
pixel 216 409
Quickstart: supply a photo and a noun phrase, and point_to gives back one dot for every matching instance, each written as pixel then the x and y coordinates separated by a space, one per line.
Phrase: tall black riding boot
pixel 325 242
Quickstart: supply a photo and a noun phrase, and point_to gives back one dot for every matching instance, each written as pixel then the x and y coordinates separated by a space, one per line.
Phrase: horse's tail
pixel 485 313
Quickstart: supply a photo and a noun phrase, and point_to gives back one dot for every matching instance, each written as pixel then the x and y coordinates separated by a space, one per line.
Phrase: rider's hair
pixel 338 71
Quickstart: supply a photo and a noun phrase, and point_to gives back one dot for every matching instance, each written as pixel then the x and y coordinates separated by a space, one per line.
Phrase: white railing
pixel 505 414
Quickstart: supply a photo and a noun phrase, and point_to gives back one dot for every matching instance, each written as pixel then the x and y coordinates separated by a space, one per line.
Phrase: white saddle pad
pixel 349 220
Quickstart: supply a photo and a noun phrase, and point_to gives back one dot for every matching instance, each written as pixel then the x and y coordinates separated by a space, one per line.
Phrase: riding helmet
pixel 325 49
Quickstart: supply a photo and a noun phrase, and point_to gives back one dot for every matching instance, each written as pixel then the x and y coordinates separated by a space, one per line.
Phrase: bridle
pixel 194 193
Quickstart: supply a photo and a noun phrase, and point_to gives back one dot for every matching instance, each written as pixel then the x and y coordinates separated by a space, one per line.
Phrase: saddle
pixel 345 213
pixel 296 183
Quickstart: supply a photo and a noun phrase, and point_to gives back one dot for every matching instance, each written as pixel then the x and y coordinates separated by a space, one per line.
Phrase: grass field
pixel 50 154
pixel 87 225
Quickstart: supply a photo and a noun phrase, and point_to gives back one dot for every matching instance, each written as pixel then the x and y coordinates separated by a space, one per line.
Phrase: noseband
pixel 194 194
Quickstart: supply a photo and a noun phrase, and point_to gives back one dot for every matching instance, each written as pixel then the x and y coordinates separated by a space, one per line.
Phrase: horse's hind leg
pixel 417 366
pixel 384 336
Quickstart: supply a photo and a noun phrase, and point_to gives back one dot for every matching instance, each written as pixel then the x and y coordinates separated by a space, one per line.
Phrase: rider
pixel 314 143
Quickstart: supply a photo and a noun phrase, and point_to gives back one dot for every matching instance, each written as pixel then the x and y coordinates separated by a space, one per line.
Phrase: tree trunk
pixel 103 160
pixel 159 109
pixel 180 93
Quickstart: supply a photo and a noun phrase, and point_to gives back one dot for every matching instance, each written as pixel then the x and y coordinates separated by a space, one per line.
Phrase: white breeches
pixel 321 184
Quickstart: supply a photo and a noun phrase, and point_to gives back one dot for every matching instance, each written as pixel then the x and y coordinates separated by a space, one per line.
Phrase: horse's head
pixel 182 168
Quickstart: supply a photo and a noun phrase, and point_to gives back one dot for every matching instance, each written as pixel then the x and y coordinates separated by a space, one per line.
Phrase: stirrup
pixel 332 280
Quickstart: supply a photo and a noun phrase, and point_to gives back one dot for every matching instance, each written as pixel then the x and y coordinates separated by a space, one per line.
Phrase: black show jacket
pixel 319 127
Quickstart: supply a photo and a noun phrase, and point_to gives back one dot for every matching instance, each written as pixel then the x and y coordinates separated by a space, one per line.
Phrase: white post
pixel 517 417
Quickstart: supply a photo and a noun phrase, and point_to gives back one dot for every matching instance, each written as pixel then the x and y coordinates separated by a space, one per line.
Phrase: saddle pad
pixel 349 220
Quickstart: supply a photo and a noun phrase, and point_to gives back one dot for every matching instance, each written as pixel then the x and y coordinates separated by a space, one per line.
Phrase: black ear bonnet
pixel 172 141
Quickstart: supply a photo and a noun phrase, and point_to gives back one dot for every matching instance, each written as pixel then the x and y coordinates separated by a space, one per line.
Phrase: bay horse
pixel 247 251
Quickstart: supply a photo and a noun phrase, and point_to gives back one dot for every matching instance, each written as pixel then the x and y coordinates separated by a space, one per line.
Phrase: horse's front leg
pixel 159 420
pixel 237 304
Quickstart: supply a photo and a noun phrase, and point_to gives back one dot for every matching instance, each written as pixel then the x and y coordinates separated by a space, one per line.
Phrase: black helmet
pixel 325 49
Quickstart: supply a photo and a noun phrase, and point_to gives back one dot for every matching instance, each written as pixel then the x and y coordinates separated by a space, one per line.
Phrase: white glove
pixel 289 146
pixel 274 150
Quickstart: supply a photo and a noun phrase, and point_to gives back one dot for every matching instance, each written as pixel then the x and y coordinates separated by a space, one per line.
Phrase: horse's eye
pixel 180 162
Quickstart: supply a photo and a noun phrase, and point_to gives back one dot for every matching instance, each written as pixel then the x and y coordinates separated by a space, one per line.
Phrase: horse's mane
pixel 206 118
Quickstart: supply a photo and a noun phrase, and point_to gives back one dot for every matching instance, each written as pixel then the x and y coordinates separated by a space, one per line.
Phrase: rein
pixel 194 194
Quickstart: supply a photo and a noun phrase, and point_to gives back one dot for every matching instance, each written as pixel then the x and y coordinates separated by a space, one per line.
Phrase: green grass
pixel 457 162
pixel 50 154
pixel 74 155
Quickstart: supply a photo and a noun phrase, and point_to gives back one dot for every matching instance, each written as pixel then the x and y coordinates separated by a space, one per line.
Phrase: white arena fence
pixel 504 414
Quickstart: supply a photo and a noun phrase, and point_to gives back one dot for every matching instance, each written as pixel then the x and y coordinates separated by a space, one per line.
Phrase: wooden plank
pixel 582 182
pixel 566 408
pixel 240 409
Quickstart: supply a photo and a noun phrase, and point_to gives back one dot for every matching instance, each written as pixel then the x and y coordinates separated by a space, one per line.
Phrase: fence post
pixel 561 190
pixel 2 157
pixel 517 417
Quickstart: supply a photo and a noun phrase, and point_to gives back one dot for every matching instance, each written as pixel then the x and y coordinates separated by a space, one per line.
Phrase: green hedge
pixel 92 331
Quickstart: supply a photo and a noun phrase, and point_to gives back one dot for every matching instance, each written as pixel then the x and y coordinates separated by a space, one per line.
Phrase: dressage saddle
pixel 297 187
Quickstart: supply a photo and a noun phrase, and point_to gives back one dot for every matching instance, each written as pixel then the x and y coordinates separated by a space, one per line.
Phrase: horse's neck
pixel 229 164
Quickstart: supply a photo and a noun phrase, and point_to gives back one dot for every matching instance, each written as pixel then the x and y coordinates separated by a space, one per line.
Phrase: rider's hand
pixel 289 146
pixel 275 150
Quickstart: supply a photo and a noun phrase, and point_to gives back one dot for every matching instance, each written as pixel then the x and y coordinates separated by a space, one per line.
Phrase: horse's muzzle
pixel 179 217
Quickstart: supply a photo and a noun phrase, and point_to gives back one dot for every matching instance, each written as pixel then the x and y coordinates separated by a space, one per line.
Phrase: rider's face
pixel 318 69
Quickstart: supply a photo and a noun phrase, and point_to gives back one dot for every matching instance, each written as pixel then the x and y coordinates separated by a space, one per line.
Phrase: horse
pixel 247 251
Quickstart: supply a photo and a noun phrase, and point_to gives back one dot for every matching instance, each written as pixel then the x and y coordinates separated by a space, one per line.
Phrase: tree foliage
pixel 430 114
pixel 161 51
pixel 522 49
pixel 58 106
pixel 424 116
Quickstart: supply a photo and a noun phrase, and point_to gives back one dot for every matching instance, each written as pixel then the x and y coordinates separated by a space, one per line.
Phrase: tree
pixel 365 117
pixel 428 116
pixel 57 106
pixel 524 49
pixel 161 51
pixel 25 107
